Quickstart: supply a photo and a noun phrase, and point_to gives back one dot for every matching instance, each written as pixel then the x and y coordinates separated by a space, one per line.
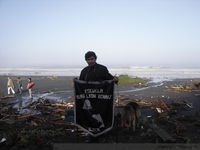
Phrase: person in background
pixel 10 86
pixel 19 85
pixel 29 87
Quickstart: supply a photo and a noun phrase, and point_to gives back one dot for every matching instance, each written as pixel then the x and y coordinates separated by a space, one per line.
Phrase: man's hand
pixel 74 79
pixel 115 79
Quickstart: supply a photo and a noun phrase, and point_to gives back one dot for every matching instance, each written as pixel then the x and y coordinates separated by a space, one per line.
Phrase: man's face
pixel 91 61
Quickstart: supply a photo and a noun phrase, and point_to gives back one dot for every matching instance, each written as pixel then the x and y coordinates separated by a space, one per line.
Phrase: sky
pixel 60 32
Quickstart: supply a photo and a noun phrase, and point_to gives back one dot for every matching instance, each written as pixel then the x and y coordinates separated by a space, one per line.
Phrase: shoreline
pixel 63 83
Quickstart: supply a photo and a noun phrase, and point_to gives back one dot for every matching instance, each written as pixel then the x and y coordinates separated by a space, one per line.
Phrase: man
pixel 95 72
pixel 10 86
pixel 19 85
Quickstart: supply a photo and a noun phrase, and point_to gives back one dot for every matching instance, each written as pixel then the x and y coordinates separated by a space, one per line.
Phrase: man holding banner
pixel 94 96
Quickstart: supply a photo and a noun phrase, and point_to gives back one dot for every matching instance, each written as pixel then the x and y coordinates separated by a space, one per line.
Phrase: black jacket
pixel 97 72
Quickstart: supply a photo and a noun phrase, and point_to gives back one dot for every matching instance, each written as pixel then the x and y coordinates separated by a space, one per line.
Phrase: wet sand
pixel 42 83
pixel 61 88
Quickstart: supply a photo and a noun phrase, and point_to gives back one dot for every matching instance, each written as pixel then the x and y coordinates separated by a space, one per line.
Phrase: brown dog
pixel 130 116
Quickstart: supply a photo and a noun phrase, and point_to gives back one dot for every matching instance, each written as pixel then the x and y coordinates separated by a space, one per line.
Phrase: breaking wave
pixel 159 71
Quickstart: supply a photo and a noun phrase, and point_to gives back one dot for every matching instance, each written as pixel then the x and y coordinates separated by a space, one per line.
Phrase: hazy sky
pixel 60 32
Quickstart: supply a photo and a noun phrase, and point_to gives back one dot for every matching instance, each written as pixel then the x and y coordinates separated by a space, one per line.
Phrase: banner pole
pixel 77 136
pixel 117 113
pixel 77 139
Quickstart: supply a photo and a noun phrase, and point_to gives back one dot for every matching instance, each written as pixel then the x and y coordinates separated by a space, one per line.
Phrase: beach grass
pixel 125 79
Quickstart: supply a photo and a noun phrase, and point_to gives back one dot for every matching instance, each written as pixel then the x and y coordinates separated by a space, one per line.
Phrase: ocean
pixel 143 71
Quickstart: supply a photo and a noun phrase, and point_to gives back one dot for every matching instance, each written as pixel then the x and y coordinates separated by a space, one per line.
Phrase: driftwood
pixel 164 135
pixel 12 110
pixel 62 105
pixel 40 118
pixel 179 88
pixel 180 104
pixel 198 95
pixel 6 96
pixel 140 85
pixel 196 83
pixel 51 112
pixel 160 107
pixel 66 105
pixel 25 115
pixel 121 100
pixel 59 110
pixel 144 103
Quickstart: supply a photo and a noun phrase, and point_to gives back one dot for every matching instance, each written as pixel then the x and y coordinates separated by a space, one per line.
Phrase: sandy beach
pixel 62 87
pixel 42 83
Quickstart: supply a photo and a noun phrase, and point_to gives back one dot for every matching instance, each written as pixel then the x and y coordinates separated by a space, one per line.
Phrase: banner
pixel 94 106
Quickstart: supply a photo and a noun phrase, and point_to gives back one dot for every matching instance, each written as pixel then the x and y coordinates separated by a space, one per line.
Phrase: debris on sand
pixel 144 103
pixel 7 96
pixel 140 85
pixel 53 124
pixel 181 88
pixel 198 95
pixel 196 83
pixel 164 135
pixel 121 100
pixel 49 111
pixel 160 107
pixel 180 104
pixel 26 128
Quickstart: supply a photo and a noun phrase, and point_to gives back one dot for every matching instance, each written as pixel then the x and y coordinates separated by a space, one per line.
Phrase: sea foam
pixel 165 72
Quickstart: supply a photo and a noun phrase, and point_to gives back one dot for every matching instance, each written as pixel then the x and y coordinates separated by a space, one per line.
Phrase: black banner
pixel 94 106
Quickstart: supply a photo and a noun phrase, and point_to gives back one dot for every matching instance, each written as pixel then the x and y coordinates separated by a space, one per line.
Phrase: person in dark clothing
pixel 95 72
pixel 19 85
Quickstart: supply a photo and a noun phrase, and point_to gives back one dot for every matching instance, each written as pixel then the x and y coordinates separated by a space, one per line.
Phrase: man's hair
pixel 90 54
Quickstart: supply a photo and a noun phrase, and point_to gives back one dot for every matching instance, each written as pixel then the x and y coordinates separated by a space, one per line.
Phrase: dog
pixel 130 116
